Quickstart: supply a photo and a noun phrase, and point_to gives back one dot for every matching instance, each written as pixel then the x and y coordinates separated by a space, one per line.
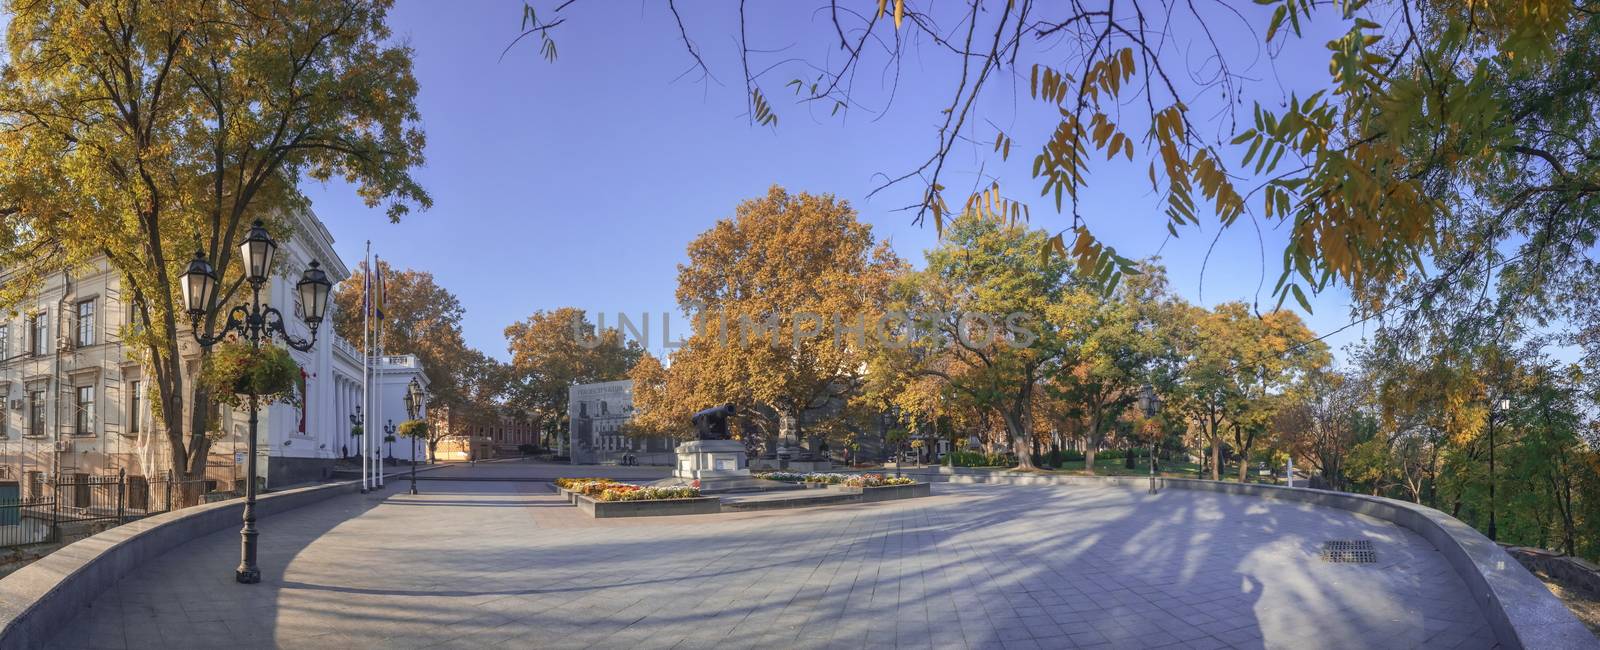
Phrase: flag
pixel 366 289
pixel 379 309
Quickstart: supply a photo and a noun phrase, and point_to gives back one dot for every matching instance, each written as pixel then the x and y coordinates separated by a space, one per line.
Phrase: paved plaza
pixel 474 564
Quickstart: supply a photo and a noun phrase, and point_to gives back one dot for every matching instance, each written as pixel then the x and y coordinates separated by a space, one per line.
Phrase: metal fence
pixel 78 505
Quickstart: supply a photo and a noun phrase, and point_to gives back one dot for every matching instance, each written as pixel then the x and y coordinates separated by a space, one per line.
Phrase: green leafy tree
pixel 978 321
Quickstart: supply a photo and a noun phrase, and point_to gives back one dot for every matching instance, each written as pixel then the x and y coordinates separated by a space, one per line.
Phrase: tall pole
pixel 248 573
pixel 366 373
pixel 1491 473
pixel 377 371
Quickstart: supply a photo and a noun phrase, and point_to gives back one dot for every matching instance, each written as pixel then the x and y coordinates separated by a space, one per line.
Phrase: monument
pixel 714 461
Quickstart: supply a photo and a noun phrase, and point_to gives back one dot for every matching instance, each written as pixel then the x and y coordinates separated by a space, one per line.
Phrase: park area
pixel 490 556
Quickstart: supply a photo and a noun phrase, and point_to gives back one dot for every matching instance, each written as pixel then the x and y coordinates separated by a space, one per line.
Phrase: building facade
pixel 597 415
pixel 473 436
pixel 74 400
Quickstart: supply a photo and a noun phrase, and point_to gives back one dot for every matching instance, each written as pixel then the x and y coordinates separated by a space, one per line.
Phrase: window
pixel 83 420
pixel 86 323
pixel 134 397
pixel 5 340
pixel 39 329
pixel 36 413
pixel 35 483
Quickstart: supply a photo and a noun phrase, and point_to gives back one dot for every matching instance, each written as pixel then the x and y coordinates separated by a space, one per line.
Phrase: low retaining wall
pixel 1577 573
pixel 892 492
pixel 37 600
pixel 655 508
pixel 1523 613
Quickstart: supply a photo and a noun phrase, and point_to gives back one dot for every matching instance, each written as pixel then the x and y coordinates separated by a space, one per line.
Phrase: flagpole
pixel 377 309
pixel 366 357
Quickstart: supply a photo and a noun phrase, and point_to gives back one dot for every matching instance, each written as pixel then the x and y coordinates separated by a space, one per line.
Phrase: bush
pixel 527 449
pixel 979 459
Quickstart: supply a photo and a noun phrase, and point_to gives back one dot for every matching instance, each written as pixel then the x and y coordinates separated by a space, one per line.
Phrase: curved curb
pixel 1522 612
pixel 41 598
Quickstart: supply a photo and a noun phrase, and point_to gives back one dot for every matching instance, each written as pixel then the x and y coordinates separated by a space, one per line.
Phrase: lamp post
pixel 355 421
pixel 255 321
pixel 388 438
pixel 413 408
pixel 1497 408
pixel 1151 404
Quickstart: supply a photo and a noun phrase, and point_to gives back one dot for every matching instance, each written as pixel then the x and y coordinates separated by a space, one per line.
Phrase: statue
pixel 712 423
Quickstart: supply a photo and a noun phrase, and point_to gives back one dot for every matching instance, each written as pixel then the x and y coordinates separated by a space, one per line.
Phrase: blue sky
pixel 579 182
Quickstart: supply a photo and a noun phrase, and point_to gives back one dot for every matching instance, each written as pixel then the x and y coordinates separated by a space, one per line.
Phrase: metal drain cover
pixel 1352 551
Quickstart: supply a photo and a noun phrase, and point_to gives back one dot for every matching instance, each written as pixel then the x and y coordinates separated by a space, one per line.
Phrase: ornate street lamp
pixel 388 438
pixel 1150 403
pixel 414 411
pixel 254 321
pixel 1499 407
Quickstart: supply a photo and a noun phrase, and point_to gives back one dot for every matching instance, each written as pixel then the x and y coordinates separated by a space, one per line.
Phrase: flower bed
pixel 568 482
pixel 804 477
pixel 637 493
pixel 877 480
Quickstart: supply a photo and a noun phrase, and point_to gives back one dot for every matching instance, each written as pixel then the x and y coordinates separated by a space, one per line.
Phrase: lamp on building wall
pixel 255 321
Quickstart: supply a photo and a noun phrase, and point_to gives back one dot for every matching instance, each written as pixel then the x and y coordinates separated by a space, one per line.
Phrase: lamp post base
pixel 247 576
pixel 413 489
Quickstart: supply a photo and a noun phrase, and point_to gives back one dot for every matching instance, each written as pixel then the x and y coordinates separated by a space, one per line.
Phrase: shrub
pixel 527 449
pixel 979 459
pixel 636 493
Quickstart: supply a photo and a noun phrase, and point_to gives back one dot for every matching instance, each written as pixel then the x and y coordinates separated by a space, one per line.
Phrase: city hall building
pixel 74 401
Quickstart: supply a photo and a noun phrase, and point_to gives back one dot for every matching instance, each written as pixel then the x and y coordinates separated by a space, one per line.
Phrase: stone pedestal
pixel 711 459
pixel 719 466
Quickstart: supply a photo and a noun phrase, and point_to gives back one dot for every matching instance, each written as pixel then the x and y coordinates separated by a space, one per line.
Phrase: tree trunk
pixel 1216 454
pixel 1088 458
pixel 1018 430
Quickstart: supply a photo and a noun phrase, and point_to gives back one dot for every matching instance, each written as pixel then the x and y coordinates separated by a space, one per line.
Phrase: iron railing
pixel 78 505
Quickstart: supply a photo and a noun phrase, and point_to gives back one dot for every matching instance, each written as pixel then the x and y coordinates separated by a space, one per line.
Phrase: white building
pixel 391 378
pixel 73 400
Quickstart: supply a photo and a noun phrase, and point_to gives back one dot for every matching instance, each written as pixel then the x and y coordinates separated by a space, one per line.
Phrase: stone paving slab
pixel 509 564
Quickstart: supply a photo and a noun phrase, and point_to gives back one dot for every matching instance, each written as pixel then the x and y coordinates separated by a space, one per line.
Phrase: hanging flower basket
pixel 414 429
pixel 233 370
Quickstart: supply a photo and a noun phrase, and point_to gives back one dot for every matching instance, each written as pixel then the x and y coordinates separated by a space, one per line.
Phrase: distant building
pixel 473 435
pixel 596 416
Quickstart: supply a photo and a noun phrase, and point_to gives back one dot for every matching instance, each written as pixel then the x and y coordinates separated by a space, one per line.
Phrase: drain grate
pixel 1357 551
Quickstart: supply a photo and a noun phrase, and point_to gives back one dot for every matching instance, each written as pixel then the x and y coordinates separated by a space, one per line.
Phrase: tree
pixel 786 296
pixel 143 134
pixel 421 318
pixel 1429 107
pixel 551 351
pixel 1111 347
pixel 977 320
pixel 1240 364
pixel 1320 426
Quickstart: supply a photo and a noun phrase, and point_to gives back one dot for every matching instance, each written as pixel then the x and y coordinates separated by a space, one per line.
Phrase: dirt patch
pixel 1584 604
